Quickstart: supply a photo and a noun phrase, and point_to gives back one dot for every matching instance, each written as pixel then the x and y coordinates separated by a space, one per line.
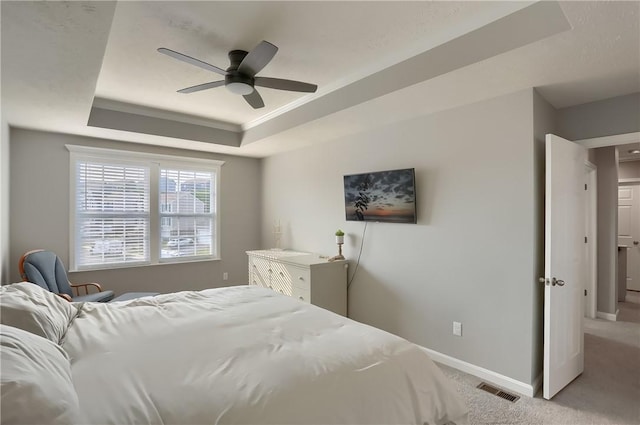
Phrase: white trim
pixel 152 162
pixel 138 265
pixel 617 139
pixel 592 234
pixel 608 316
pixel 133 155
pixel 628 182
pixel 503 381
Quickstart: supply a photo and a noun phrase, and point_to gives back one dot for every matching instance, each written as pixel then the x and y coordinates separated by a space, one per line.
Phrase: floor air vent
pixel 497 391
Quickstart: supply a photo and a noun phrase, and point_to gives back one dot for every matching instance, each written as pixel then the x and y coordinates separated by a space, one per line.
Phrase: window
pixel 133 209
pixel 186 212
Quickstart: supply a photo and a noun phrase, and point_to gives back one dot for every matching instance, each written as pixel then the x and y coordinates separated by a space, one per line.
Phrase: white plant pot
pixel 339 239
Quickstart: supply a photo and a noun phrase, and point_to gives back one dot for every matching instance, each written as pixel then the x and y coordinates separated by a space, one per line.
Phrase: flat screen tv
pixel 384 196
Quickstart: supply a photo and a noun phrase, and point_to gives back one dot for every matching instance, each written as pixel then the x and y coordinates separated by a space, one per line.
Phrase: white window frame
pixel 155 162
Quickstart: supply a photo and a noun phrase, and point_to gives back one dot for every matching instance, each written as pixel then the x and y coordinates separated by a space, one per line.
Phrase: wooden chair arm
pixel 65 296
pixel 77 287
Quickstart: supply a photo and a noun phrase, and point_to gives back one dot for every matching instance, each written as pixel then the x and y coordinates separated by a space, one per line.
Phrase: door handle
pixel 636 242
pixel 552 282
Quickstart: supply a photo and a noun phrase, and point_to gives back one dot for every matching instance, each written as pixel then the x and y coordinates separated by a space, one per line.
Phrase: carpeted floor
pixel 608 392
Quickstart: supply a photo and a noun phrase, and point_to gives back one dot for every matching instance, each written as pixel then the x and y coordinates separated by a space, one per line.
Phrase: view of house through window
pixel 118 221
pixel 186 212
pixel 112 213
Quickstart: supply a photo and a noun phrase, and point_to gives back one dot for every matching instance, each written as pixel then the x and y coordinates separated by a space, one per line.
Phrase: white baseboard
pixel 608 316
pixel 505 382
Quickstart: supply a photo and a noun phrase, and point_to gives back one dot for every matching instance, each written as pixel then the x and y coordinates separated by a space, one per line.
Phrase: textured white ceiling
pixel 319 42
pixel 57 57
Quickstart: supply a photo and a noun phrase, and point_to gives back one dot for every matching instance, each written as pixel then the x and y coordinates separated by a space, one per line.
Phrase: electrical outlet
pixel 457 328
pixel 225 276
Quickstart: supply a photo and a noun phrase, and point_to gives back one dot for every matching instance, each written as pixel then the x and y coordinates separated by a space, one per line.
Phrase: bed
pixel 237 355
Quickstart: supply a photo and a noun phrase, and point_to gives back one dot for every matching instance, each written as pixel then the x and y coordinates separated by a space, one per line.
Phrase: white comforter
pixel 246 355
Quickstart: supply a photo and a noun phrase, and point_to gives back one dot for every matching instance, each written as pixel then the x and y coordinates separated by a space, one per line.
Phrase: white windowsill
pixel 130 266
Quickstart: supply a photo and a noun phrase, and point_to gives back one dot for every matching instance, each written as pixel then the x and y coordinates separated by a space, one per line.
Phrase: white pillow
pixel 29 307
pixel 36 385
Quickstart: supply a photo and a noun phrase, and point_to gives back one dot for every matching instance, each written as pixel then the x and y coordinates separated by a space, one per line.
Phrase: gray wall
pixel 473 257
pixel 618 115
pixel 39 211
pixel 606 159
pixel 629 170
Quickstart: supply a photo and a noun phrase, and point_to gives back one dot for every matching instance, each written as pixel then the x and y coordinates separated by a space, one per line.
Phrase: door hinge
pixel 585 292
pixel 585 239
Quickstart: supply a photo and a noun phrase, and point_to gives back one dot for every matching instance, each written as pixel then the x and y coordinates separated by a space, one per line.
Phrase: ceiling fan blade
pixel 254 99
pixel 280 84
pixel 192 61
pixel 258 58
pixel 201 87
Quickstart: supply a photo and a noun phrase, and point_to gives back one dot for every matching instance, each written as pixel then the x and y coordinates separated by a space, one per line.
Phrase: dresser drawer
pixel 302 294
pixel 300 276
pixel 258 279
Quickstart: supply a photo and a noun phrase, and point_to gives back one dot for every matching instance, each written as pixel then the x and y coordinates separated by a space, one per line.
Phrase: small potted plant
pixel 339 237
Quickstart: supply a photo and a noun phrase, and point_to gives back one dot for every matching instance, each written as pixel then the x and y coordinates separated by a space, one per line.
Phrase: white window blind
pixel 112 214
pixel 187 213
pixel 132 208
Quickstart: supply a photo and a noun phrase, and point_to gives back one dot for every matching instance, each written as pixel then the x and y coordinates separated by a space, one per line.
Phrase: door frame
pixel 624 183
pixel 591 300
pixel 601 142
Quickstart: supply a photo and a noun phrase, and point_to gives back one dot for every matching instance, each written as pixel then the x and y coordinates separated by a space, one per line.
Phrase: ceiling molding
pixel 617 139
pixel 117 120
pixel 131 108
pixel 525 26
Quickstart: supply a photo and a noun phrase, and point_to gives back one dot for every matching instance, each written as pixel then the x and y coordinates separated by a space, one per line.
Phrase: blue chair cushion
pixel 97 297
pixel 46 270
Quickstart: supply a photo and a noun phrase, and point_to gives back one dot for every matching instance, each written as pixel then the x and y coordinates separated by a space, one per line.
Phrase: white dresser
pixel 302 275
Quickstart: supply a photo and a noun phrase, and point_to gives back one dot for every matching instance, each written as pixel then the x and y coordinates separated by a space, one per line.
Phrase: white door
pixel 565 263
pixel 629 231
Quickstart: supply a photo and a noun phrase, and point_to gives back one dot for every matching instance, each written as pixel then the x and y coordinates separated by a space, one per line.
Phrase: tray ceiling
pixel 66 64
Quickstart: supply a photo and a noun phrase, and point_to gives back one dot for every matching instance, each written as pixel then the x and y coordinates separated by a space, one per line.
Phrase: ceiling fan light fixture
pixel 634 151
pixel 239 88
pixel 240 76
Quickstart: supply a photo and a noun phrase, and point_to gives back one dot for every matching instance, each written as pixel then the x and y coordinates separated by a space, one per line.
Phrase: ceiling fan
pixel 240 77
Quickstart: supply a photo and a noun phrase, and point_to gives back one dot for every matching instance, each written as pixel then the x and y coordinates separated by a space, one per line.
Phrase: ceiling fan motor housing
pixel 233 76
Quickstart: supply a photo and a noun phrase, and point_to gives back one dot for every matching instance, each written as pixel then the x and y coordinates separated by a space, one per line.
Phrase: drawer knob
pixel 270 287
pixel 302 298
pixel 281 274
pixel 270 271
pixel 300 278
pixel 281 291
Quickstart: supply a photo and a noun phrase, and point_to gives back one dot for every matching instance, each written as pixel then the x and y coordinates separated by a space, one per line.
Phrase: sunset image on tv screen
pixel 386 196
